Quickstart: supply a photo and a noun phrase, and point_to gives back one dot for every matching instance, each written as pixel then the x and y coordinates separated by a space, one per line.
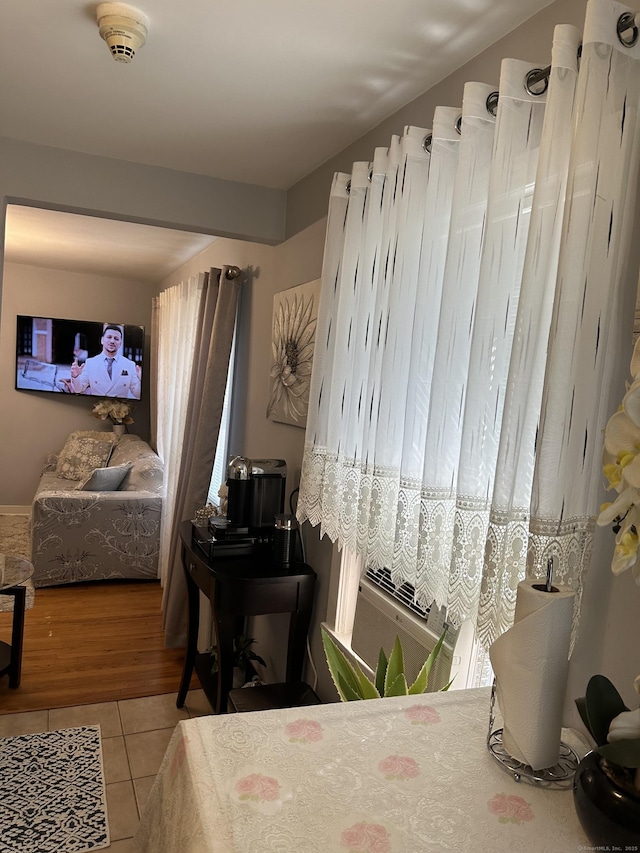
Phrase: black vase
pixel 608 811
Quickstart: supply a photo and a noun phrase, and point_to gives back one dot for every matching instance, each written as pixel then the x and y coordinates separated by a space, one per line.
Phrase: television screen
pixel 79 357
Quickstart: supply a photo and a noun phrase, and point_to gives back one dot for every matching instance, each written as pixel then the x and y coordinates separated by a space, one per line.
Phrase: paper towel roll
pixel 530 663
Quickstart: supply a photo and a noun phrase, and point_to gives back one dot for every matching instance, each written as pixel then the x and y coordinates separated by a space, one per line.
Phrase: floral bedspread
pixel 87 535
pixel 401 775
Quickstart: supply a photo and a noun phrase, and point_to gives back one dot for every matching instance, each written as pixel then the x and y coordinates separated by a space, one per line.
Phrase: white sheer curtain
pixel 507 536
pixel 591 326
pixel 176 312
pixel 476 310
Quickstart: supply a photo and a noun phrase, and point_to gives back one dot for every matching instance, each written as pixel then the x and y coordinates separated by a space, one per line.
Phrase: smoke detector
pixel 123 27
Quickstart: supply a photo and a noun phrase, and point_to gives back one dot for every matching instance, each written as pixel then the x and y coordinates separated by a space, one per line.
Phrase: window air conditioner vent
pixel 405 593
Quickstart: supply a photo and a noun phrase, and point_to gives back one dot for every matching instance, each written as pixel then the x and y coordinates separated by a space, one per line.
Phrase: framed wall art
pixel 293 337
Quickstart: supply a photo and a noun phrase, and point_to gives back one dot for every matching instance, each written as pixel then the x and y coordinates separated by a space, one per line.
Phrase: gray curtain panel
pixel 214 339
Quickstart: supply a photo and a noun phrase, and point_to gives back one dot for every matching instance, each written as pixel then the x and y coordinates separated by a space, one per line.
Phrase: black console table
pixel 237 587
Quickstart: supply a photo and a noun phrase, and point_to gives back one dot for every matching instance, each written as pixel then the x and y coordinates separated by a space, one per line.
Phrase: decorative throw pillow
pixel 82 454
pixel 98 434
pixel 105 479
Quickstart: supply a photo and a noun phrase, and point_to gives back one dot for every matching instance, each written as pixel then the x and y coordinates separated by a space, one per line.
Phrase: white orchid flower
pixel 626 725
pixel 621 467
pixel 621 454
pixel 609 512
pixel 631 402
pixel 635 360
pixel 625 554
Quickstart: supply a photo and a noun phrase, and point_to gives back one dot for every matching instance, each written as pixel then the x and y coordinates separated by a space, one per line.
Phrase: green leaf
pixel 395 667
pixel 398 686
pixel 381 672
pixel 347 693
pixel 602 704
pixel 341 670
pixel 420 684
pixel 367 688
pixel 242 643
pixel 625 753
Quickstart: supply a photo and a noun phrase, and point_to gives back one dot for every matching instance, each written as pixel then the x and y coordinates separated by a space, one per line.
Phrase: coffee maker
pixel 255 495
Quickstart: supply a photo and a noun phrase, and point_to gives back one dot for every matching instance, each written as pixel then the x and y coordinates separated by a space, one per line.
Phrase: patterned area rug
pixel 53 793
pixel 14 535
pixel 15 540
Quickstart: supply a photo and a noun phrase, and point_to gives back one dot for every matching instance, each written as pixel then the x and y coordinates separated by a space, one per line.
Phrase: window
pixel 470 662
pixel 219 473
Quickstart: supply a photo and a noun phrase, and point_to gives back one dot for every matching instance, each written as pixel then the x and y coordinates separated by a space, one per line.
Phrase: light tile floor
pixel 135 734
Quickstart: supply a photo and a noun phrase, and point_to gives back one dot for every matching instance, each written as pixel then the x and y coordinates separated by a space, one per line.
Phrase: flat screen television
pixel 79 357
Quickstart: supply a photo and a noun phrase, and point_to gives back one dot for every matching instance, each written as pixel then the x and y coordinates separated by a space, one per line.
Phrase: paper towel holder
pixel 560 776
pixel 547 586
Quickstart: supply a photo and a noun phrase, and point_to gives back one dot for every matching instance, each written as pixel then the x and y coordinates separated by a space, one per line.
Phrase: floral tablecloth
pixel 401 775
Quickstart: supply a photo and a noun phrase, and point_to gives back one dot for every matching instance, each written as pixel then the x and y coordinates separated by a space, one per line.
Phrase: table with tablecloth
pixel 399 775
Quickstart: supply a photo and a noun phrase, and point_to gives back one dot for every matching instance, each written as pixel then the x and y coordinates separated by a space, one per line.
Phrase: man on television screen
pixel 108 374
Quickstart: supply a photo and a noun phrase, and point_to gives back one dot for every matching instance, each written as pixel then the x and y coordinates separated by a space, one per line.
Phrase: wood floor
pixel 97 642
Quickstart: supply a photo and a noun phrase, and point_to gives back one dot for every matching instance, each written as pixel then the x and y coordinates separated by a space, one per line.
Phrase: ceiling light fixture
pixel 123 27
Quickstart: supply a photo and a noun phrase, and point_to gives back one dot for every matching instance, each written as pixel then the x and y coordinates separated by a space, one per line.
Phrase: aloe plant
pixel 390 679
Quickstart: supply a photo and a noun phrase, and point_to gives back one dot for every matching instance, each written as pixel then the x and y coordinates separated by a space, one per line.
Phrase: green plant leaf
pixel 242 653
pixel 367 687
pixel 242 643
pixel 381 671
pixel 395 667
pixel 420 684
pixel 626 752
pixel 398 687
pixel 249 655
pixel 347 693
pixel 342 673
pixel 602 704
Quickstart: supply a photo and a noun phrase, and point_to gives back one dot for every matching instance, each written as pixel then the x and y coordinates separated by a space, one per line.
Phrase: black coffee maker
pixel 255 495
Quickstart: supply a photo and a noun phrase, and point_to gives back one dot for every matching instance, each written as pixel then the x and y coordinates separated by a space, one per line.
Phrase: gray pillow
pixel 81 454
pixel 106 479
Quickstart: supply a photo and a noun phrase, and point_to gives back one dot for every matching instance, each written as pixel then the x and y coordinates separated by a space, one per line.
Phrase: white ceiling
pixel 87 244
pixel 258 91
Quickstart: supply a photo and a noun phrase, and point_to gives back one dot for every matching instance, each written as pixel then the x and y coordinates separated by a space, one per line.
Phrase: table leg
pixel 17 635
pixel 298 632
pixel 192 634
pixel 226 626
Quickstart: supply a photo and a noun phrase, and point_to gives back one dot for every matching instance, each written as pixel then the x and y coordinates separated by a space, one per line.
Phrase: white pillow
pixel 106 479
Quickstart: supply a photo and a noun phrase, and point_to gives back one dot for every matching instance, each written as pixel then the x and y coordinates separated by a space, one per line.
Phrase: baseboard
pixel 15 510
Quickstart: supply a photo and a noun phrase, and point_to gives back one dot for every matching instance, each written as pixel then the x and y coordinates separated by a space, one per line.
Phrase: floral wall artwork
pixel 295 313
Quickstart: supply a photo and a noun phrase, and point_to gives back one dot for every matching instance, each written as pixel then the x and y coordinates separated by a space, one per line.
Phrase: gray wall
pixel 307 200
pixel 39 423
pixel 115 189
